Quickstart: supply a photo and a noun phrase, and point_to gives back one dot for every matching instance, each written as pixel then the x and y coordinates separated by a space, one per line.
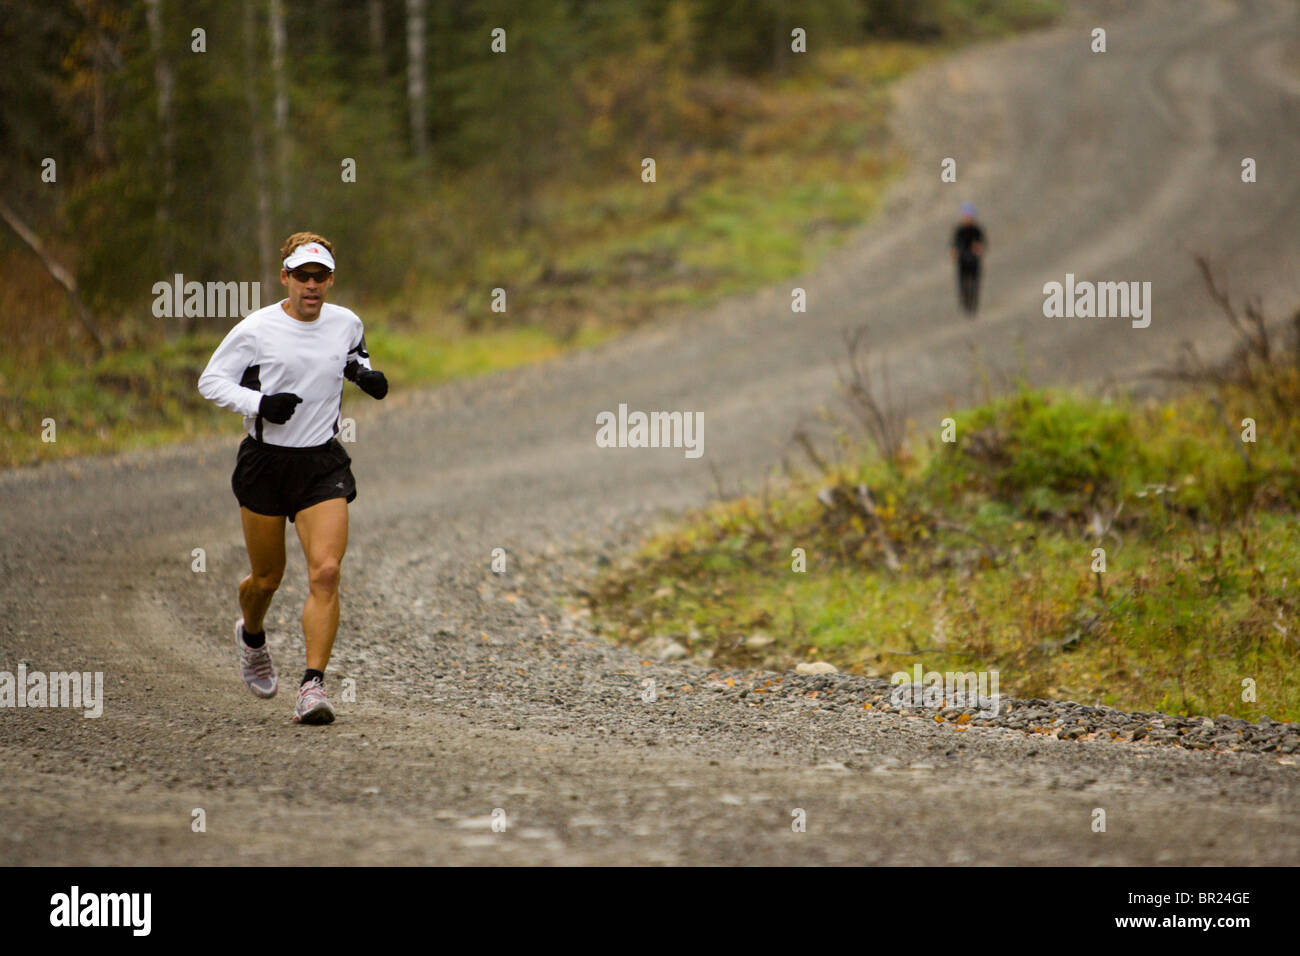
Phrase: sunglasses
pixel 302 275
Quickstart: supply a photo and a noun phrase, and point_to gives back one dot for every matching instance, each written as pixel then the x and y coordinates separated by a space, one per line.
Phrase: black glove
pixel 372 382
pixel 278 408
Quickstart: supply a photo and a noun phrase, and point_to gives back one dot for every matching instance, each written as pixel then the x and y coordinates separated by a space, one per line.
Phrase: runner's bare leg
pixel 264 539
pixel 323 531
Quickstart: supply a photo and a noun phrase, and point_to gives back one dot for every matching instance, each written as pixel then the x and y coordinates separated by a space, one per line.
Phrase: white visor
pixel 309 252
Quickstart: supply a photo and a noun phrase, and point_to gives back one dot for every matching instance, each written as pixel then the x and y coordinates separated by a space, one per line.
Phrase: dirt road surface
pixel 478 692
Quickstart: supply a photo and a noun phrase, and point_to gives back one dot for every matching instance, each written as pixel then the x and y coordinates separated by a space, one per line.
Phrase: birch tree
pixel 375 9
pixel 415 82
pixel 165 84
pixel 265 251
pixel 281 112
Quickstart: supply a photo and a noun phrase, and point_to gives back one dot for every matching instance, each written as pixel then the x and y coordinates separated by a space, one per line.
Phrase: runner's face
pixel 306 298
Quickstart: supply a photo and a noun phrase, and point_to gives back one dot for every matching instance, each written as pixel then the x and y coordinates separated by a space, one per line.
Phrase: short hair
pixel 301 238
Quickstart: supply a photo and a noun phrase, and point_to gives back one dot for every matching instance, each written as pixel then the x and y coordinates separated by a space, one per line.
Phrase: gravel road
pixel 478 692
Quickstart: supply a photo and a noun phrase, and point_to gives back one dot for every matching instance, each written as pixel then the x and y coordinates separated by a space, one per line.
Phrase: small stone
pixel 667 649
pixel 815 667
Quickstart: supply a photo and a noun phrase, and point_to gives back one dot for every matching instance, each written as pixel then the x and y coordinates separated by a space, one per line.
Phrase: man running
pixel 283 368
pixel 968 250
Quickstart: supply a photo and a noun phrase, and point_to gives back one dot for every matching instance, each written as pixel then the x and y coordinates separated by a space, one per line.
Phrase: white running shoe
pixel 312 707
pixel 256 666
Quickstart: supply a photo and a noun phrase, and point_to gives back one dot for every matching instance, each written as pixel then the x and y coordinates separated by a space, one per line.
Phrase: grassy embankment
pixel 992 538
pixel 804 159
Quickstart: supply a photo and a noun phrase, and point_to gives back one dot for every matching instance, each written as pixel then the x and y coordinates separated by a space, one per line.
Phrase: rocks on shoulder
pixel 815 667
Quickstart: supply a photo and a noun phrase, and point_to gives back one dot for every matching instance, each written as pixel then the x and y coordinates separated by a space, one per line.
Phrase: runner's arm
pixel 220 380
pixel 358 359
pixel 358 370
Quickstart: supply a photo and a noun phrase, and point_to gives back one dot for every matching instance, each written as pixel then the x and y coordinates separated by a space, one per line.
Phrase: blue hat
pixel 968 209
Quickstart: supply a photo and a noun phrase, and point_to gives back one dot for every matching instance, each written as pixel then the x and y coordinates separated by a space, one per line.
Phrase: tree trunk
pixel 376 10
pixel 165 82
pixel 60 275
pixel 104 58
pixel 415 78
pixel 281 108
pixel 99 107
pixel 780 38
pixel 265 252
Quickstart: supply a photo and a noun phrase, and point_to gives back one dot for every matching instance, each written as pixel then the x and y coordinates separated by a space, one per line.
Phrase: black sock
pixel 254 640
pixel 309 673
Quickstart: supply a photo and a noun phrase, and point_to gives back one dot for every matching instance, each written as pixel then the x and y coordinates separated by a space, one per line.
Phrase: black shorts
pixel 278 480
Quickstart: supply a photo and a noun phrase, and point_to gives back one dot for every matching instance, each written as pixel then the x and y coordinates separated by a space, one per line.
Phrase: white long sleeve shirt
pixel 270 351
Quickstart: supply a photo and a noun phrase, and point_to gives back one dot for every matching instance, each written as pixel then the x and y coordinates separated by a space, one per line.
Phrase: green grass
pixel 808 164
pixel 995 540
